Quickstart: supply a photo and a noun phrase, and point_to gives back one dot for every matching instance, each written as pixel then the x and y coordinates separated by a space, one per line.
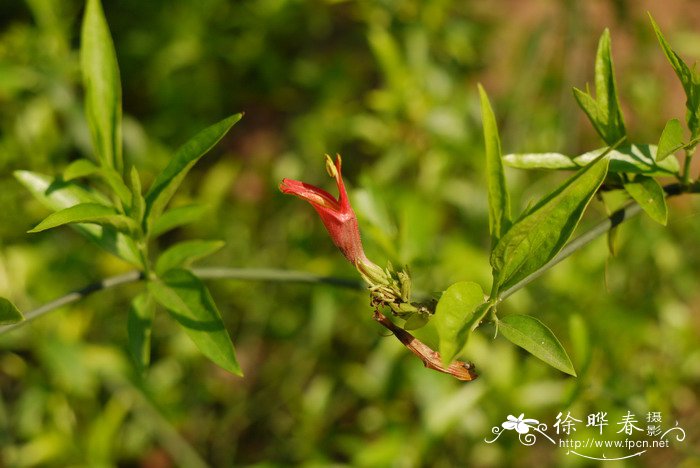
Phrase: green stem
pixel 253 274
pixel 686 168
pixel 75 296
pixel 277 276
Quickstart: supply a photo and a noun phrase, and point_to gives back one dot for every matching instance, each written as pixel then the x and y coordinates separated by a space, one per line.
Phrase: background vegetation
pixel 391 86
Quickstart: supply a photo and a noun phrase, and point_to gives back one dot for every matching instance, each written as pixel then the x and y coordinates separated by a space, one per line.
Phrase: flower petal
pixel 310 193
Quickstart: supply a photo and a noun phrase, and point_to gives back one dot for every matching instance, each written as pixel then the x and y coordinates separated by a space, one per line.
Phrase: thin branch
pixel 75 296
pixel 283 276
pixel 431 358
pixel 204 273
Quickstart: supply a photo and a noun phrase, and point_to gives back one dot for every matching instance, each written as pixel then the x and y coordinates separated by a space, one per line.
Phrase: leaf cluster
pixel 524 246
pixel 103 199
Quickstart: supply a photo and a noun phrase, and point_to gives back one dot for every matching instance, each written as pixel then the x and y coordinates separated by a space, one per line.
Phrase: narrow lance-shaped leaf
pixel 184 253
pixel 85 168
pixel 9 314
pixel 540 234
pixel 100 71
pixel 671 140
pixel 175 217
pixel 499 203
pixel 138 202
pixel 603 111
pixel 80 168
pixel 57 195
pixel 536 338
pixel 636 159
pixel 139 323
pixel 650 196
pixel 169 180
pixel 690 80
pixel 455 317
pixel 189 302
pixel 94 213
pixel 606 90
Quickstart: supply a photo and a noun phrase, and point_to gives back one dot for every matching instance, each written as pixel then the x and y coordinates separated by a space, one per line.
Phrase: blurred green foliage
pixel 390 85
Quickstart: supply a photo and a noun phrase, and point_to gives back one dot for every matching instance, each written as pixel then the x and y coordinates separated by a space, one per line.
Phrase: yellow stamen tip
pixel 330 167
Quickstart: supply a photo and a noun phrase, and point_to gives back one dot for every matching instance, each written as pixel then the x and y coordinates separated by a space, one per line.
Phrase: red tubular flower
pixel 337 215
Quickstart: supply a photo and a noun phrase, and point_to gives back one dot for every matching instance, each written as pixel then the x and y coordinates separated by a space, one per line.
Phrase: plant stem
pixel 253 274
pixel 75 296
pixel 686 168
pixel 431 358
pixel 279 276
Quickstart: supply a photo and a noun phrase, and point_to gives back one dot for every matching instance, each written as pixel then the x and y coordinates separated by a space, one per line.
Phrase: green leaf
pixel 499 203
pixel 455 316
pixel 176 217
pixel 690 80
pixel 170 178
pixel 184 253
pixel 139 322
pixel 534 337
pixel 85 168
pixel 189 302
pixel 671 140
pixel 650 196
pixel 9 314
pixel 138 204
pixel 540 161
pixel 541 233
pixel 635 159
pixel 416 320
pixel 80 168
pixel 116 183
pixel 603 111
pixel 103 108
pixel 94 213
pixel 57 195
